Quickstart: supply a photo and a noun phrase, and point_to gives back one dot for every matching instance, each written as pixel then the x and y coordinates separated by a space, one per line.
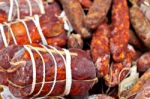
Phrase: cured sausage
pixel 141 24
pixel 33 30
pixel 118 71
pixel 97 13
pixel 100 49
pixel 120 32
pixel 39 71
pixel 75 14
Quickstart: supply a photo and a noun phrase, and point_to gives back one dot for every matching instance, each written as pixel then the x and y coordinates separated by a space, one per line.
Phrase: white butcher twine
pixel 41 6
pixel 30 7
pixel 11 32
pixel 33 68
pixel 68 72
pixel 67 24
pixel 10 10
pixel 27 30
pixel 3 35
pixel 55 73
pixel 43 81
pixel 37 24
pixel 18 9
pixel 67 63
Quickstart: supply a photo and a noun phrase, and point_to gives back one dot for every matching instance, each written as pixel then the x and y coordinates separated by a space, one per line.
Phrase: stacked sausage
pixel 112 41
pixel 102 42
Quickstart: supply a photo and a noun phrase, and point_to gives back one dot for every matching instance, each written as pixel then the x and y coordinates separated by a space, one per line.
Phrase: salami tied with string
pixel 35 29
pixel 40 71
pixel 17 9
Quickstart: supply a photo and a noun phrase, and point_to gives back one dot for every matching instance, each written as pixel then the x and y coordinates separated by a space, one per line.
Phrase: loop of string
pixel 33 69
pixel 41 6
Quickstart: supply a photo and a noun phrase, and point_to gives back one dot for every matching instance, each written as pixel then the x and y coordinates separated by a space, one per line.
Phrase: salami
pixel 34 29
pixel 39 71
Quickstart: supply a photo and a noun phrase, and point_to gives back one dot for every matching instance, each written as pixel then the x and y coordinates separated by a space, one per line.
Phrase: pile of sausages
pixel 75 49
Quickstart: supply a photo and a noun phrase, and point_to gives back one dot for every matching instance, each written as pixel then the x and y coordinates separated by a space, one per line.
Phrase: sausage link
pixel 75 15
pixel 97 13
pixel 120 33
pixel 100 49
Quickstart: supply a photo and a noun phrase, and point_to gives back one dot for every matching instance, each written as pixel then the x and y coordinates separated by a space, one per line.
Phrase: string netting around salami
pixel 35 20
pixel 66 57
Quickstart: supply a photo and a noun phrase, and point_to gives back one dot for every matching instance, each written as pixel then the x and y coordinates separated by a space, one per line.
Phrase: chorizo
pixel 120 32
pixel 100 49
pixel 75 14
pixel 97 13
pixel 86 3
pixel 118 71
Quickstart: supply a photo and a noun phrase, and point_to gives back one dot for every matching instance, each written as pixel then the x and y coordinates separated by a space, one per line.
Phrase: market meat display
pixel 74 49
